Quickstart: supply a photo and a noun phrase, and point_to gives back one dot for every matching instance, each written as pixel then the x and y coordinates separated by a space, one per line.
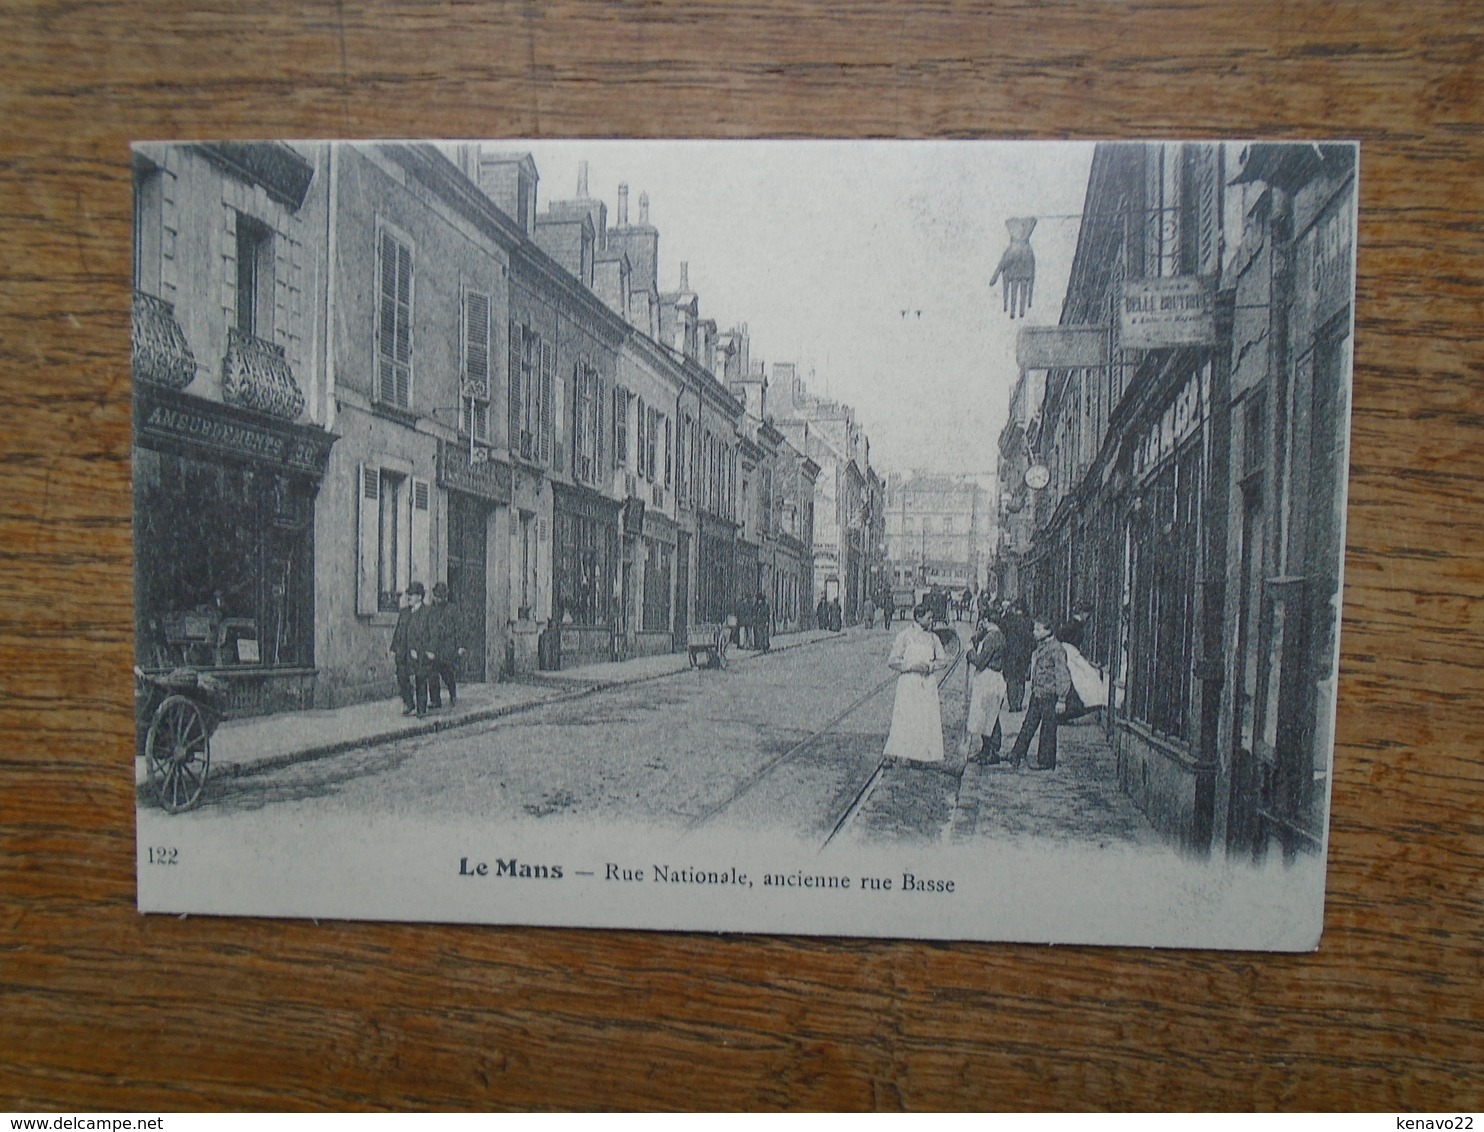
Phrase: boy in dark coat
pixel 1050 678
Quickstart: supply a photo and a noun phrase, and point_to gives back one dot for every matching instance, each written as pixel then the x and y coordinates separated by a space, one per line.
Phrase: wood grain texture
pixel 103 1008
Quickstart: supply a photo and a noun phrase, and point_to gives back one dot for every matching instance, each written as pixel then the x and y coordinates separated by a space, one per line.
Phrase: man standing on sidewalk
pixel 1049 680
pixel 762 623
pixel 422 646
pixel 401 649
pixel 1019 642
pixel 447 648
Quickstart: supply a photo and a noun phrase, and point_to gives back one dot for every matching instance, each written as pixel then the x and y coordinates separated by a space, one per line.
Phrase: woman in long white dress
pixel 917 717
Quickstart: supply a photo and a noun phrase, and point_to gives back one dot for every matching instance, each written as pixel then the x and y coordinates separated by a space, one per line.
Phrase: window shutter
pixel 559 423
pixel 545 427
pixel 601 471
pixel 669 447
pixel 640 451
pixel 516 347
pixel 422 546
pixel 367 531
pixel 394 321
pixel 477 343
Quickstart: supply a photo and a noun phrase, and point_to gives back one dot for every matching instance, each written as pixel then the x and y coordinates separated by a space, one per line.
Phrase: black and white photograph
pixel 905 539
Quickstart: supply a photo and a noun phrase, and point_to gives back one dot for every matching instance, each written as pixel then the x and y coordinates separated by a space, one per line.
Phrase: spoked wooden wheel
pixel 178 753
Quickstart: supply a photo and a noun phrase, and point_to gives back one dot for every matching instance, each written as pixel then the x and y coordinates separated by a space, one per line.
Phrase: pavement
pixel 260 743
pixel 1080 796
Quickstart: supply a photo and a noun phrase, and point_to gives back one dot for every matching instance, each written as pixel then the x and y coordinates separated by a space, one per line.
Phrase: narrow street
pixel 784 742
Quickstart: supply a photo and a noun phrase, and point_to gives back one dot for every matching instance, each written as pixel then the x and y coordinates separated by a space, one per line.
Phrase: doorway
pixel 468 520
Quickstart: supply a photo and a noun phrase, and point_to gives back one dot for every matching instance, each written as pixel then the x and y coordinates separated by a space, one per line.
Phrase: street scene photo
pixel 925 539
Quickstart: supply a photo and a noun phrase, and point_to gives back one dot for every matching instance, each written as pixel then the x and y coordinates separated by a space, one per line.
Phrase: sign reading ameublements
pixel 1176 311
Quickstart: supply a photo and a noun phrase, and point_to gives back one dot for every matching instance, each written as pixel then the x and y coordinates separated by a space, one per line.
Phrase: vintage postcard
pixel 904 539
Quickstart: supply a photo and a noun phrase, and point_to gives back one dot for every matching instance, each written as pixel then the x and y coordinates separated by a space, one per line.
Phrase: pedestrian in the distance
pixel 822 613
pixel 762 618
pixel 870 612
pixel 1049 681
pixel 983 734
pixel 1019 643
pixel 837 616
pixel 888 607
pixel 401 649
pixel 917 716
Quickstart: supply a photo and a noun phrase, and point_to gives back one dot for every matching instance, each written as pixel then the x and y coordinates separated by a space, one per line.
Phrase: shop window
pixel 393 320
pixel 254 277
pixel 224 564
pixel 584 570
pixel 656 586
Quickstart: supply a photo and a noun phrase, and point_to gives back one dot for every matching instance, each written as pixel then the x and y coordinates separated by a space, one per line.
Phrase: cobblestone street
pixel 789 741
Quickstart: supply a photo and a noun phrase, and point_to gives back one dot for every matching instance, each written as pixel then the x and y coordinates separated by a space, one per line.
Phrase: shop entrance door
pixel 468 519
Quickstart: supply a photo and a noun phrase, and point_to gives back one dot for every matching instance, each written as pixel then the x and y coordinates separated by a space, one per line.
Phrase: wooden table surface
pixel 103 1008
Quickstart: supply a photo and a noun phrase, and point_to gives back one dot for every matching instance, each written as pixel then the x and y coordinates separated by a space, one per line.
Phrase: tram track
pixel 861 797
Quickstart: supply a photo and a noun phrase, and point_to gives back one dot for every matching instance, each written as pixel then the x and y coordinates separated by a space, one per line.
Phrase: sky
pixel 819 246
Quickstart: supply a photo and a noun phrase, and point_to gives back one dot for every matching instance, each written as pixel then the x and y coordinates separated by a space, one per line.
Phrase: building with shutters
pixel 420 287
pixel 233 430
pixel 847 527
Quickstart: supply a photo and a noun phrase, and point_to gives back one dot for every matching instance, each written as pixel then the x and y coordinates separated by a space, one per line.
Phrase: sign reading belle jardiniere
pixel 1175 311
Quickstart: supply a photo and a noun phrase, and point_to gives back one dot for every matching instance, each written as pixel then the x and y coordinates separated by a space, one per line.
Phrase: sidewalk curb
pixel 578 691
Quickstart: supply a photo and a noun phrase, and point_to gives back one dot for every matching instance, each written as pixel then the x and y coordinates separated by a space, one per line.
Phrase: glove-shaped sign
pixel 1018 266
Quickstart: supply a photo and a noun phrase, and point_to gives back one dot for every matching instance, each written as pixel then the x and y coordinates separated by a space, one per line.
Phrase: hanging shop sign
pixel 1175 311
pixel 1062 347
pixel 487 479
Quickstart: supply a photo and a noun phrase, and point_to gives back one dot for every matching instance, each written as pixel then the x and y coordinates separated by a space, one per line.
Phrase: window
pixel 148 226
pixel 390 488
pixel 589 450
pixel 393 321
pixel 254 277
pixel 394 539
pixel 474 404
pixel 584 569
pixel 533 393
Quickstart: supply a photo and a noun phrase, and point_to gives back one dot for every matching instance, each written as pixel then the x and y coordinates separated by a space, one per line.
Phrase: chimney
pixel 623 204
pixel 582 180
pixel 643 208
pixel 684 276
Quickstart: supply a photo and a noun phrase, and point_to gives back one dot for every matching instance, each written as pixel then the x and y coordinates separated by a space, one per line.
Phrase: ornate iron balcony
pixel 256 375
pixel 160 353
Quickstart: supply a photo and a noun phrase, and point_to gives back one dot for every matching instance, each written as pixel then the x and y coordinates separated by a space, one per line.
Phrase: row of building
pixel 941 530
pixel 358 366
pixel 1173 468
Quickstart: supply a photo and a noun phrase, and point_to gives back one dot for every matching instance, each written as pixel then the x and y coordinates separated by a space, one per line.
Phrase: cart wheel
pixel 178 753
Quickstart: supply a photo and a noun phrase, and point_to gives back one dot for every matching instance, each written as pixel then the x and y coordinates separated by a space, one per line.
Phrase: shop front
pixel 224 503
pixel 586 579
